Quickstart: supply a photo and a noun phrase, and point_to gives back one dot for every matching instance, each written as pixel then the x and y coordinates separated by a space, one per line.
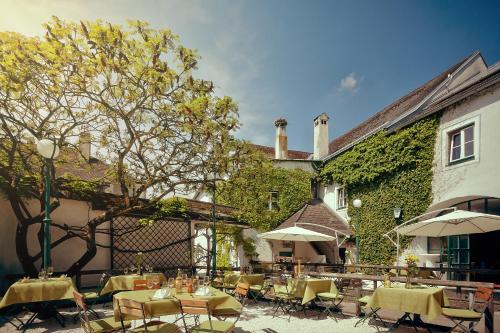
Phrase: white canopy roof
pixel 458 222
pixel 296 234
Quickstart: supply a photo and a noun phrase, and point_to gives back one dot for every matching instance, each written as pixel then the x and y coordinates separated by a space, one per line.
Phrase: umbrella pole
pixel 397 250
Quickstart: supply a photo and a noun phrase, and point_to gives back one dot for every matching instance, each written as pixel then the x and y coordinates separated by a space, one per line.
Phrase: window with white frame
pixel 273 200
pixel 462 144
pixel 341 198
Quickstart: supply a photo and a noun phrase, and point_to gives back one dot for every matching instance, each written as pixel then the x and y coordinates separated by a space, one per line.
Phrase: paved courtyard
pixel 257 318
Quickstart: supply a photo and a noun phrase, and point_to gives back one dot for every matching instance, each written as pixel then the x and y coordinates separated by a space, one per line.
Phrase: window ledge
pixel 462 160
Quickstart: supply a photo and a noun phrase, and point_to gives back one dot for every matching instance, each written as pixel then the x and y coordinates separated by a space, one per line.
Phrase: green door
pixel 458 251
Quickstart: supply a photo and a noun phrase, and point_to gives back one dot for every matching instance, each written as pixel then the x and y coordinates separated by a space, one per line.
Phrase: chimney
pixel 84 144
pixel 321 140
pixel 281 145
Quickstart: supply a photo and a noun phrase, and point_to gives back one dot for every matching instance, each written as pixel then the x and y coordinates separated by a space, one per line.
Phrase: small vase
pixel 408 282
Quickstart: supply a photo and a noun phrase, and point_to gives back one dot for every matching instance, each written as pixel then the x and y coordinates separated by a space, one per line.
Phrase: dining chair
pixel 140 284
pixel 10 318
pixel 331 300
pixel 459 316
pixel 199 307
pixel 284 296
pixel 92 297
pixel 241 292
pixel 135 310
pixel 101 325
pixel 369 313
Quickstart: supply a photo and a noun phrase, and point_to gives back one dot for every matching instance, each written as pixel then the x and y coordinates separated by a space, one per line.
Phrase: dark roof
pixel 292 154
pixel 391 112
pixel 317 212
pixel 71 162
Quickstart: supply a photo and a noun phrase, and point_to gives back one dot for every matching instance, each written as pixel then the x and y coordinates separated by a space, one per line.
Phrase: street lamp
pixel 212 177
pixel 397 215
pixel 357 204
pixel 49 150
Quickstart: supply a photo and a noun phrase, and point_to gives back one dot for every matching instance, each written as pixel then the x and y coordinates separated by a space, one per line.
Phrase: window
pixel 434 245
pixel 273 200
pixel 462 144
pixel 341 198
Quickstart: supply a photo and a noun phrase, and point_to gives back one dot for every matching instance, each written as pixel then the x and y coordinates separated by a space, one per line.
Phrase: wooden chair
pixel 459 316
pixel 241 293
pixel 10 318
pixel 140 284
pixel 103 325
pixel 201 307
pixel 133 309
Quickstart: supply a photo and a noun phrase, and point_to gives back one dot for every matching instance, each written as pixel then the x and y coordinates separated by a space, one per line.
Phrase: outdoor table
pixel 39 293
pixel 308 288
pixel 126 282
pixel 418 300
pixel 220 302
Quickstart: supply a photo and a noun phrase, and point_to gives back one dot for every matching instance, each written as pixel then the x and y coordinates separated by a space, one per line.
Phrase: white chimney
pixel 281 145
pixel 84 144
pixel 321 140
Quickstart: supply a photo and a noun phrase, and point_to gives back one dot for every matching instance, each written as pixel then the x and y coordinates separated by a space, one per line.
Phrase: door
pixel 458 253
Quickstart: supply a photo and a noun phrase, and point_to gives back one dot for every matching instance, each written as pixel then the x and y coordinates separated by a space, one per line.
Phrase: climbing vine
pixel 386 171
pixel 249 192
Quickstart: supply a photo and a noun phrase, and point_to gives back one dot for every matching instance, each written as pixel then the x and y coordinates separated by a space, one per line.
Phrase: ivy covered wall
pixel 386 171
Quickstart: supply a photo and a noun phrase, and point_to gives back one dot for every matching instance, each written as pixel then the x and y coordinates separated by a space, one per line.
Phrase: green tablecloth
pixel 220 302
pixel 307 289
pixel 126 282
pixel 36 290
pixel 418 300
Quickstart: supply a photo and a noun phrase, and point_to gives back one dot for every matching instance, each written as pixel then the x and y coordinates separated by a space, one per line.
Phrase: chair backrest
pixel 196 307
pixel 82 312
pixel 140 284
pixel 132 309
pixel 242 289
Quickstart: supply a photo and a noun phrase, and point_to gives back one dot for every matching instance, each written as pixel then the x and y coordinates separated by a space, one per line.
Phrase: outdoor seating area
pixel 239 302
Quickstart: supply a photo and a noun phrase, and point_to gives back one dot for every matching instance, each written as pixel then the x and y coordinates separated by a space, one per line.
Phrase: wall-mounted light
pixel 397 212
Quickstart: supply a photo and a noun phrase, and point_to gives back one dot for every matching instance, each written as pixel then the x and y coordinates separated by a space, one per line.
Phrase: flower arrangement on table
pixel 411 264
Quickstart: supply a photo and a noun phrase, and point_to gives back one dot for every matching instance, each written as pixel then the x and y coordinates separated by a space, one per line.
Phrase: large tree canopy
pixel 132 88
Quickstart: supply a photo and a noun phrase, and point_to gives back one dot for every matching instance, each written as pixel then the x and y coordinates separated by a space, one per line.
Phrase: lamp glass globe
pixel 356 203
pixel 47 148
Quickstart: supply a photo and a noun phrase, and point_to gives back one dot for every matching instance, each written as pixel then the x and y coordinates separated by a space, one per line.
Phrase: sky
pixel 297 59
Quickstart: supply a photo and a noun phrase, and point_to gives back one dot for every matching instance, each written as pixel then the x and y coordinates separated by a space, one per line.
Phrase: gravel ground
pixel 256 318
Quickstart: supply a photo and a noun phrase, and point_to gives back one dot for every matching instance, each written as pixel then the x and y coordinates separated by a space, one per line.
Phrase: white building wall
pixel 477 177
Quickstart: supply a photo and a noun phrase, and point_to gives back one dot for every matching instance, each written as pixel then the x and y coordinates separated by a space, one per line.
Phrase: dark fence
pixel 165 245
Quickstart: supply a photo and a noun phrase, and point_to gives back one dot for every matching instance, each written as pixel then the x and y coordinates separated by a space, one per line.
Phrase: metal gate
pixel 165 245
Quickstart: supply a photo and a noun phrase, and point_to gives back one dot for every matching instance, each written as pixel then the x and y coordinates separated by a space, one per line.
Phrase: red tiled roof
pixel 292 154
pixel 71 162
pixel 392 111
pixel 317 212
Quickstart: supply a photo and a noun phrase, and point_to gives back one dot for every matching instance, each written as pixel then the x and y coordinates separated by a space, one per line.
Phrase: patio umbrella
pixel 458 222
pixel 296 234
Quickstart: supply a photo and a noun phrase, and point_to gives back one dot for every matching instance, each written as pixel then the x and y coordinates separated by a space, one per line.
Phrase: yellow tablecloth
pixel 220 302
pixel 126 282
pixel 252 279
pixel 418 300
pixel 307 289
pixel 36 290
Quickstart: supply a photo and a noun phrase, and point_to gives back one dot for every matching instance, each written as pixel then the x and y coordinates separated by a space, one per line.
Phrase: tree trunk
pixel 22 250
pixel 88 255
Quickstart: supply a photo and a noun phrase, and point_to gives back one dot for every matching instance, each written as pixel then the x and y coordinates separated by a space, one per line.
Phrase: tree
pixel 249 191
pixel 159 129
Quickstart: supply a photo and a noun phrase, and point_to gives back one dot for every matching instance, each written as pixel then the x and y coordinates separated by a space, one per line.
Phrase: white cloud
pixel 350 83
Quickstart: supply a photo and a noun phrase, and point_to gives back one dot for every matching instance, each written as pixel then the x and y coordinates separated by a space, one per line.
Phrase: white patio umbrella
pixel 458 222
pixel 296 234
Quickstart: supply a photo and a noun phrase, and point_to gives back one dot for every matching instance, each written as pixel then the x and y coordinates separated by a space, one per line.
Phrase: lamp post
pixel 49 150
pixel 397 215
pixel 212 177
pixel 357 204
